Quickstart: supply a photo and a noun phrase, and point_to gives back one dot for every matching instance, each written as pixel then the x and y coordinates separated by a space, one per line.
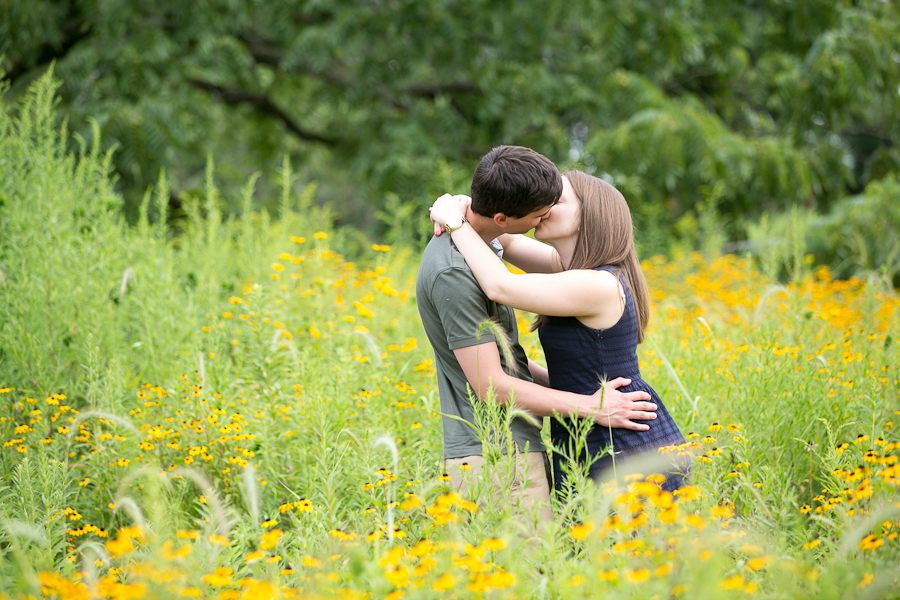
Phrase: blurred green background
pixel 708 115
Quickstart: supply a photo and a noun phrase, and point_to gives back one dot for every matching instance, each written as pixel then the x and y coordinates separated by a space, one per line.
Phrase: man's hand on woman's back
pixel 612 408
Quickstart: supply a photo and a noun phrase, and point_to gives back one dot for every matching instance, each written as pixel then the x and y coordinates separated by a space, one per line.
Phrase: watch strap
pixel 448 229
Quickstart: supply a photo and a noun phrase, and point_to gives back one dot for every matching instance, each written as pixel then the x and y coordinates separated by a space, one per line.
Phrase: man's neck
pixel 483 226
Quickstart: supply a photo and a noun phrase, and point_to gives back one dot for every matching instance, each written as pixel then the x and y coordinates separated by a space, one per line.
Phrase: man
pixel 512 190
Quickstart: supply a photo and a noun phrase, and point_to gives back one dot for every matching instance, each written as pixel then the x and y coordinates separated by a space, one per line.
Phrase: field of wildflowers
pixel 238 411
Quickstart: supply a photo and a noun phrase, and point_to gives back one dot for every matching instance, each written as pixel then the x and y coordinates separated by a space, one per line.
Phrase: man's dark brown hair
pixel 515 181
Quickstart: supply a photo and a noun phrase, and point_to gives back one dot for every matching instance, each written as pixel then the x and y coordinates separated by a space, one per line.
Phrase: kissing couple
pixel 584 281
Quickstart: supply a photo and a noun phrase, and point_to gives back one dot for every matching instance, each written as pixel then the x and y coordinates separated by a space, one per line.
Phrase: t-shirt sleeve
pixel 462 306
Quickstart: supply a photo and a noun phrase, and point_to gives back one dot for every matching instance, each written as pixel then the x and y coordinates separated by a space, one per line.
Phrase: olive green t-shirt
pixel 452 305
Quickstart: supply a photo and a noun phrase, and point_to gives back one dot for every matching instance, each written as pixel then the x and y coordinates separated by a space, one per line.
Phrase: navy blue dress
pixel 578 357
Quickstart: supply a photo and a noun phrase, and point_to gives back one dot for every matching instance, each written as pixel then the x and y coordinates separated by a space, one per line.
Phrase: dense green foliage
pixel 197 387
pixel 704 113
pixel 127 298
pixel 239 408
pixel 861 233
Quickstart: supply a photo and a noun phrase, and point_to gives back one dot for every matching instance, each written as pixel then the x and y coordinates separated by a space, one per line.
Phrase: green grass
pixel 169 399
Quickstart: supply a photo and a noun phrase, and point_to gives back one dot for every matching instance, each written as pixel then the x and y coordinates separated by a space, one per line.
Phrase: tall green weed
pixel 239 406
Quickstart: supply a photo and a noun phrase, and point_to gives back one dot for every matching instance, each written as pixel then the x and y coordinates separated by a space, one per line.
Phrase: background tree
pixel 703 113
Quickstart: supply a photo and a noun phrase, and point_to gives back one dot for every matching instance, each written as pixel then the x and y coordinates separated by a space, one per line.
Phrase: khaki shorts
pixel 526 489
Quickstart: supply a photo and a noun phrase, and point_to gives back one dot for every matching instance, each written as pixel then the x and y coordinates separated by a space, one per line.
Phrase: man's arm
pixel 538 374
pixel 481 364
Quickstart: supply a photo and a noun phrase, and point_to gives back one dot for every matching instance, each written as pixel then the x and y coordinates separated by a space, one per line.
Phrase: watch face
pixel 454 223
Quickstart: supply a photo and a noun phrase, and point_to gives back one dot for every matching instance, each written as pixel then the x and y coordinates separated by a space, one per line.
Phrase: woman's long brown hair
pixel 606 237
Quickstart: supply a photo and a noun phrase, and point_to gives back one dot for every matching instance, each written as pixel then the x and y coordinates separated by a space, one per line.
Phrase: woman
pixel 587 286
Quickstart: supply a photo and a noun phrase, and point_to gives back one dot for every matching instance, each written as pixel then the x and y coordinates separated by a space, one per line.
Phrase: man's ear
pixel 501 220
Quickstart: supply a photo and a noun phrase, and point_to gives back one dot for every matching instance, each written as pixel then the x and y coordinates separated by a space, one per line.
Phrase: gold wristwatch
pixel 455 224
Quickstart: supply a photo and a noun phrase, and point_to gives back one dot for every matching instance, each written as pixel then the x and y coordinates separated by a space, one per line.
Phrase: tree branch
pixel 868 131
pixel 263 103
pixel 312 18
pixel 432 90
pixel 74 30
pixel 695 73
pixel 265 52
